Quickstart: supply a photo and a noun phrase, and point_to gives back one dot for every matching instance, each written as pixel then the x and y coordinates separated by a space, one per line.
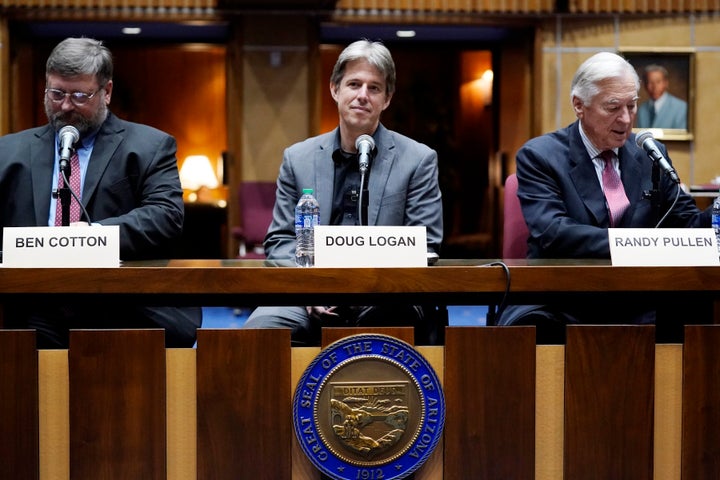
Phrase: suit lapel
pixel 42 159
pixel 380 171
pixel 584 176
pixel 106 143
pixel 631 171
pixel 324 182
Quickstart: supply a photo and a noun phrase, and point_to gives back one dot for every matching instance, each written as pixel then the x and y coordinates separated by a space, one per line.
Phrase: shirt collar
pixel 591 149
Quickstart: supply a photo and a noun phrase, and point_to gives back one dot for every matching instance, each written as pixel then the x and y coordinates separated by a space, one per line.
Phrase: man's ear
pixel 577 107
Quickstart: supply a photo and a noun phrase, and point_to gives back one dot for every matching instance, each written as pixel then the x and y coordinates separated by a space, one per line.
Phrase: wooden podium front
pixel 611 403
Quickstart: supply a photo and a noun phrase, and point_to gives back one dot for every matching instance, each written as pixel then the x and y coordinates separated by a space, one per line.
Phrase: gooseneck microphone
pixel 646 141
pixel 364 145
pixel 67 138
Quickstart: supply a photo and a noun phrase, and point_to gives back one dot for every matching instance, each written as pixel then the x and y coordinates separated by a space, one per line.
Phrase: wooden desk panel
pixel 490 401
pixel 18 405
pixel 244 411
pixel 605 411
pixel 701 402
pixel 117 404
pixel 609 402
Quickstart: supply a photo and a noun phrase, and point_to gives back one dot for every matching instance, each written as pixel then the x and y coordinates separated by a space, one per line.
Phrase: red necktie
pixel 74 180
pixel 615 196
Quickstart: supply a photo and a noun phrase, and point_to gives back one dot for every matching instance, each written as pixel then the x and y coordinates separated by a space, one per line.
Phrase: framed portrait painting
pixel 666 102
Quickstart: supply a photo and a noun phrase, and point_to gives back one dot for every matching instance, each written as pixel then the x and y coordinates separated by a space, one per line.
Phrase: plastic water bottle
pixel 716 220
pixel 307 215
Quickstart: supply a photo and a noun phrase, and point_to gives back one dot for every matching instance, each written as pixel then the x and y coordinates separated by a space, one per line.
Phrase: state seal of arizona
pixel 368 407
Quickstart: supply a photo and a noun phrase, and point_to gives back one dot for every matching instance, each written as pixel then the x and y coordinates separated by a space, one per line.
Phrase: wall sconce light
pixel 197 172
pixel 486 87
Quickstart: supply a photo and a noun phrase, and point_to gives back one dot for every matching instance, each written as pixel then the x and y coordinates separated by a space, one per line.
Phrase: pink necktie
pixel 74 180
pixel 615 196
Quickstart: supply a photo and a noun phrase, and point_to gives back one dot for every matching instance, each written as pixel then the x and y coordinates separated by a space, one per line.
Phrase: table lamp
pixel 197 173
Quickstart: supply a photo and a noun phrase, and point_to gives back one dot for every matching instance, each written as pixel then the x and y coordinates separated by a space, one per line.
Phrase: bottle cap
pixel 307 190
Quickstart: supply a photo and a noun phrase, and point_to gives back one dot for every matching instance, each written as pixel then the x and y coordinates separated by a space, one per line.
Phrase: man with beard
pixel 128 177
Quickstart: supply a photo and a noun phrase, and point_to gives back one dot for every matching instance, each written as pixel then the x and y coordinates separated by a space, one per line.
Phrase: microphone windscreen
pixel 642 137
pixel 365 138
pixel 69 130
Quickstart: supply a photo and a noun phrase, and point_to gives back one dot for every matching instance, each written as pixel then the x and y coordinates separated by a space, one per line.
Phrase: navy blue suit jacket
pixel 564 206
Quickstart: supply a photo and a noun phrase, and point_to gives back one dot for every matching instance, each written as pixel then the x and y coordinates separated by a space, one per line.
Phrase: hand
pixel 323 314
pixel 79 224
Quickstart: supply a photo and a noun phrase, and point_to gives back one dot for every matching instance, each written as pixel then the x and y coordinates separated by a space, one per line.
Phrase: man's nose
pixel 67 104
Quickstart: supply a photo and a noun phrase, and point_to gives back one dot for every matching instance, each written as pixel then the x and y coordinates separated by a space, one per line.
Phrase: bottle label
pixel 306 220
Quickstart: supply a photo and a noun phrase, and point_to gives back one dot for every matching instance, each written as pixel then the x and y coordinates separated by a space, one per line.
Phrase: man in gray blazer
pixel 128 177
pixel 562 194
pixel 402 187
pixel 662 110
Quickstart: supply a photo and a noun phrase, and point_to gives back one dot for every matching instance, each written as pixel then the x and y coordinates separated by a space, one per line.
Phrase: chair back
pixel 256 201
pixel 515 230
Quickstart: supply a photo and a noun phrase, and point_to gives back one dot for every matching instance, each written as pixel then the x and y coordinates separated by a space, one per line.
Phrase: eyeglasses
pixel 77 98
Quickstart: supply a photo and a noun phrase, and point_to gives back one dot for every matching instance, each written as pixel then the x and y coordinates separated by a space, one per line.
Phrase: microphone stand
pixel 64 196
pixel 654 194
pixel 362 200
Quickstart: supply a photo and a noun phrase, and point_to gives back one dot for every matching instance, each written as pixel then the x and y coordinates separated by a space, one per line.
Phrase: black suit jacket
pixel 131 181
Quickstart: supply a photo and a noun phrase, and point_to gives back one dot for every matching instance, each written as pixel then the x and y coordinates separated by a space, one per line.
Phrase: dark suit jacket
pixel 131 181
pixel 564 207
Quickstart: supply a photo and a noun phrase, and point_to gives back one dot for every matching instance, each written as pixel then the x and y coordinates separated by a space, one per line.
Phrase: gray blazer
pixel 673 114
pixel 403 187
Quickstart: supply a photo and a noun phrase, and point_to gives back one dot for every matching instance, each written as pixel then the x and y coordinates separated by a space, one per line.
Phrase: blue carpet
pixel 229 317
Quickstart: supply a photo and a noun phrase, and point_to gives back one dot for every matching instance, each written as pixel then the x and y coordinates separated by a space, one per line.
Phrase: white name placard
pixel 375 246
pixel 61 247
pixel 663 247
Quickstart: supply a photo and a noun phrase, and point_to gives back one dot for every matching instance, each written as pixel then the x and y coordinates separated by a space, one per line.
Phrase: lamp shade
pixel 197 172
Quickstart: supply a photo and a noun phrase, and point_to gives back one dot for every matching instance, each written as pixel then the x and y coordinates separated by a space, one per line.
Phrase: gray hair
pixel 81 56
pixel 597 68
pixel 374 53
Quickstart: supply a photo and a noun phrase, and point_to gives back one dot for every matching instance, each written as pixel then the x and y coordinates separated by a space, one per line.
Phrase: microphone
pixel 646 141
pixel 68 136
pixel 364 145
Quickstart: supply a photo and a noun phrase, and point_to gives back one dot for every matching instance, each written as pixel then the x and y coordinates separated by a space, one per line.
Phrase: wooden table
pixel 450 281
pixel 611 403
